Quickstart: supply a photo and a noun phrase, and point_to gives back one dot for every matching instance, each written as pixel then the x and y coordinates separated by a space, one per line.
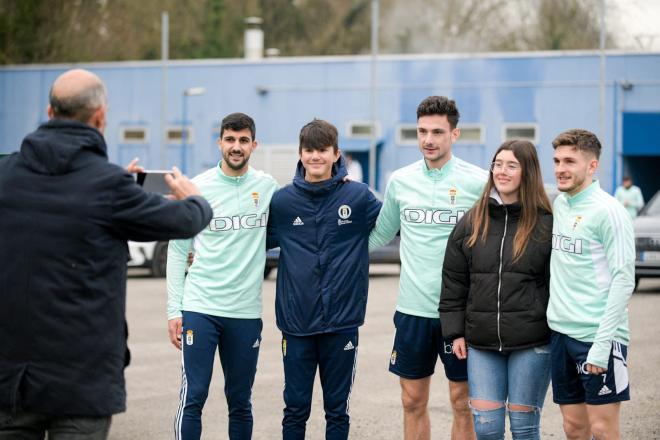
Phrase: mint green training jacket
pixel 425 204
pixel 592 270
pixel 226 276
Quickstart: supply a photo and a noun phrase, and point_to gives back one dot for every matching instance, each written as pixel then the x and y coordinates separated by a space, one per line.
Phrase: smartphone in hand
pixel 154 181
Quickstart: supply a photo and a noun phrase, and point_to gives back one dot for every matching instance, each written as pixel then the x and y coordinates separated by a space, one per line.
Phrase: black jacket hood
pixel 53 147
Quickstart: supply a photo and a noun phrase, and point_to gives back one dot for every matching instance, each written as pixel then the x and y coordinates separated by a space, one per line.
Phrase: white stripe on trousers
pixel 350 390
pixel 182 397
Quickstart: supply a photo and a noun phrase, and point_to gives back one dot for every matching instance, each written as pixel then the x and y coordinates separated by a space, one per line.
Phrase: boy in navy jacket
pixel 321 224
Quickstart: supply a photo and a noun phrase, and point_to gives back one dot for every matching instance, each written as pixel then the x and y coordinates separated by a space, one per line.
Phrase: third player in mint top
pixel 592 271
pixel 425 204
pixel 424 201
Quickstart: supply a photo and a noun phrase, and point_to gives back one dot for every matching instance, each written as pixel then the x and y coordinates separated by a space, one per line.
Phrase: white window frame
pixel 509 125
pixel 122 134
pixel 278 160
pixel 482 134
pixel 190 139
pixel 400 141
pixel 351 124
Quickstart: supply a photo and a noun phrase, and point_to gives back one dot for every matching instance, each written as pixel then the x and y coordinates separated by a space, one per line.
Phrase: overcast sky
pixel 639 21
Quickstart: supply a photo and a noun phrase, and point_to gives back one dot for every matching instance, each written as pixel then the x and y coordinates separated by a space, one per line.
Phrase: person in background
pixel 630 197
pixel 495 289
pixel 353 168
pixel 67 215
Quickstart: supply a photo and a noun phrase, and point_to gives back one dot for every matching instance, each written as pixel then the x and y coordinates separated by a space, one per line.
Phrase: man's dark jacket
pixel 470 305
pixel 65 216
pixel 322 230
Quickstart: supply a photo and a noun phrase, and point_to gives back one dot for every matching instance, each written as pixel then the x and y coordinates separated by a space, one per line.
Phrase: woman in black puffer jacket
pixel 495 292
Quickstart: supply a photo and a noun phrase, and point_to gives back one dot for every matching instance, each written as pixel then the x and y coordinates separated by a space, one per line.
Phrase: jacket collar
pixel 55 146
pixel 584 194
pixel 498 209
pixel 236 180
pixel 438 173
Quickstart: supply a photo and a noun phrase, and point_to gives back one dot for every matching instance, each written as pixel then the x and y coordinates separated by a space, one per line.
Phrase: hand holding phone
pixel 154 181
pixel 180 185
pixel 172 184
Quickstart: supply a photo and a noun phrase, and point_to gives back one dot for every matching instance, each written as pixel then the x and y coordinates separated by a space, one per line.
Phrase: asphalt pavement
pixel 154 376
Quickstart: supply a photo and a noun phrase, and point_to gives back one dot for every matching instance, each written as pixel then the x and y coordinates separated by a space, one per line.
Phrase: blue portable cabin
pixel 534 95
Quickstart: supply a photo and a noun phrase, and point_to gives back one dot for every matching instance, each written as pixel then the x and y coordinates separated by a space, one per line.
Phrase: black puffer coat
pixel 494 303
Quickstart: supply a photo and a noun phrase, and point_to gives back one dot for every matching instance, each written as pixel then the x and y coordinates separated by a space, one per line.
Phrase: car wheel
pixel 636 283
pixel 159 260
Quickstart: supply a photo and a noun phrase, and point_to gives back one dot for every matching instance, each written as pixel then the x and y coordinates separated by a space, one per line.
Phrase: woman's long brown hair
pixel 531 196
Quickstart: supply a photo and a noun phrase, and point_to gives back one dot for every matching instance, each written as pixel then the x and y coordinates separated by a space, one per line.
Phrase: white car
pixel 151 255
pixel 647 240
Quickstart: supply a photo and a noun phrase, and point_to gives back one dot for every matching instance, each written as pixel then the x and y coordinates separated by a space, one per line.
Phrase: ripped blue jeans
pixel 515 378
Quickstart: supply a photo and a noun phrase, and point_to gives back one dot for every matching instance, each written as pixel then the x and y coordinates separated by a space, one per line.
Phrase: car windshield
pixel 653 207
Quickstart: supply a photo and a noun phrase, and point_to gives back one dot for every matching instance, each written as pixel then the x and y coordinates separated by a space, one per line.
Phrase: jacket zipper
pixel 499 275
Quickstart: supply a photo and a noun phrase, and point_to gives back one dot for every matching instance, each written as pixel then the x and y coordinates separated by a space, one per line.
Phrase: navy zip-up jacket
pixel 65 216
pixel 322 230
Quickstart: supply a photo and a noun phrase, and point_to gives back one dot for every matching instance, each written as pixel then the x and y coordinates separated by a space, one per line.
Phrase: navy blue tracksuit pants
pixel 335 354
pixel 237 341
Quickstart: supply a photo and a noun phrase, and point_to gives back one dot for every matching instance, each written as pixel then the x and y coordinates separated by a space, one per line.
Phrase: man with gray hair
pixel 66 215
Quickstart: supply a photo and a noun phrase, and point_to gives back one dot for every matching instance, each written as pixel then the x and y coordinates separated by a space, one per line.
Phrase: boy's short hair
pixel 318 134
pixel 439 105
pixel 238 122
pixel 582 140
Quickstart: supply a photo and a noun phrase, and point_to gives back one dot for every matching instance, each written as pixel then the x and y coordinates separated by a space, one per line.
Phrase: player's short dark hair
pixel 238 122
pixel 439 105
pixel 318 134
pixel 582 140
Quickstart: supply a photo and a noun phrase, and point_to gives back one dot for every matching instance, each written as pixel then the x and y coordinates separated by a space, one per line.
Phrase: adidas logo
pixel 298 222
pixel 604 391
pixel 349 346
pixel 256 344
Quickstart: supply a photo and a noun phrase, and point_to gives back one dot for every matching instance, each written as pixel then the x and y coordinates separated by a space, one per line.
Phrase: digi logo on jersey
pixel 236 222
pixel 567 244
pixel 433 216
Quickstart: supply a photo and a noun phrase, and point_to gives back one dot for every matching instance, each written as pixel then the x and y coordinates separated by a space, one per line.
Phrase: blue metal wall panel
pixel 641 134
pixel 557 92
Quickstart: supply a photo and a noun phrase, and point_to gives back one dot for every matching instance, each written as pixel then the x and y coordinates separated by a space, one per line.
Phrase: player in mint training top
pixel 630 197
pixel 218 304
pixel 424 201
pixel 592 275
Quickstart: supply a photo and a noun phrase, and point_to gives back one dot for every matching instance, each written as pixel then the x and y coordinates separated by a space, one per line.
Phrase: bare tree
pixel 103 30
pixel 485 25
pixel 559 25
pixel 419 26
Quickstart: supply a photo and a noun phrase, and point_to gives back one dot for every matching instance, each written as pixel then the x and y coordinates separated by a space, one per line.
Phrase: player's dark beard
pixel 233 166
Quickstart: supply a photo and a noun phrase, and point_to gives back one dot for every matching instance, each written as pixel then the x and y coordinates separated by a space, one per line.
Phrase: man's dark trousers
pixel 23 425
